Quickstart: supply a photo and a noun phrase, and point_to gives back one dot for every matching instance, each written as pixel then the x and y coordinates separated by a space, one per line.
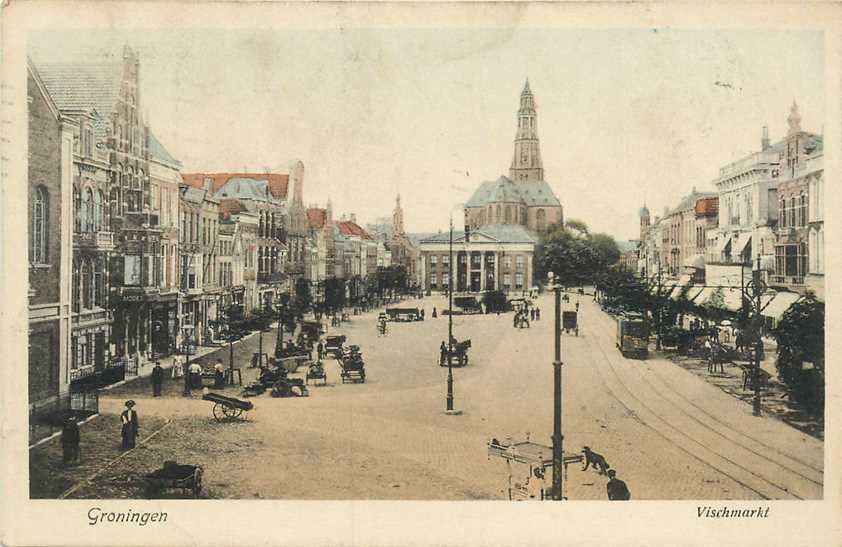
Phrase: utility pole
pixel 658 316
pixel 758 287
pixel 450 322
pixel 557 492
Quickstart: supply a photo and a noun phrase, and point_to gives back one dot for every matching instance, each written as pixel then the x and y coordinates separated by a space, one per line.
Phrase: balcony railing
pixel 269 277
pixel 788 279
pixel 94 240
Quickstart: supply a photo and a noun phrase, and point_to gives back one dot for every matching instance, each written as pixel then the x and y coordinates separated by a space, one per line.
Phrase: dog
pixel 597 461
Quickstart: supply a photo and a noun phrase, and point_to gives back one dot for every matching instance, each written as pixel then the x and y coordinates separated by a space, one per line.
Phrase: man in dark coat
pixel 70 440
pixel 130 425
pixel 617 489
pixel 443 353
pixel 157 379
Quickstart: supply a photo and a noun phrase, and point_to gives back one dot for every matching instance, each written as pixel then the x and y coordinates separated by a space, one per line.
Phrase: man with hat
pixel 157 379
pixel 130 426
pixel 617 489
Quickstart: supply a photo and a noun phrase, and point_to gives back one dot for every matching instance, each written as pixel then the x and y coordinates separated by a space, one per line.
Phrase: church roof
pixel 532 193
pixel 499 233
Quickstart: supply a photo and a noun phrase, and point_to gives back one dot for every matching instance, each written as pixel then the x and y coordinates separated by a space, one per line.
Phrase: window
pixel 541 219
pixel 508 214
pixel 87 285
pixel 507 280
pixel 445 279
pixel 99 277
pixel 40 204
pixel 445 259
pixel 434 259
pixel 519 262
pixel 802 211
pixel 507 262
pixel 791 221
pixel 519 281
pixel 463 259
pixel 76 286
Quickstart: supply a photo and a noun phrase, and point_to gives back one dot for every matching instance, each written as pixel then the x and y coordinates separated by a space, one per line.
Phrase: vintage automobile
pixel 352 365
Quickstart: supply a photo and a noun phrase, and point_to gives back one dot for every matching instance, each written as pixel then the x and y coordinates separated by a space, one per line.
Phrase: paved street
pixel 669 434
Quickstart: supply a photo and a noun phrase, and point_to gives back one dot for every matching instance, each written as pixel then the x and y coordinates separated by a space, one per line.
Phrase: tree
pixel 574 254
pixel 800 338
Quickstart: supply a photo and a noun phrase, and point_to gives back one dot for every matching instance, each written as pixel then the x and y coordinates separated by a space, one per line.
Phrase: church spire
pixel 397 217
pixel 526 163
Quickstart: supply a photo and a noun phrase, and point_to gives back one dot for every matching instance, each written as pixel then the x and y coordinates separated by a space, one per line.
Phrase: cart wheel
pixel 197 482
pixel 218 412
pixel 230 412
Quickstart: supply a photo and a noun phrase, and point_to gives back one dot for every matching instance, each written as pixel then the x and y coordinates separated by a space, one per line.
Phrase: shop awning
pixel 741 244
pixel 778 306
pixel 722 243
pixel 703 295
pixel 695 261
pixel 732 299
pixel 694 292
pixel 684 281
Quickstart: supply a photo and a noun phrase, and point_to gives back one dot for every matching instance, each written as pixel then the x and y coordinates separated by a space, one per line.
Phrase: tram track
pixel 791 464
pixel 721 462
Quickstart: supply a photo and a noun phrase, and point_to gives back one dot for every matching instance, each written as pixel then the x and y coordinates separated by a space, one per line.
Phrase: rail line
pixel 742 437
pixel 760 490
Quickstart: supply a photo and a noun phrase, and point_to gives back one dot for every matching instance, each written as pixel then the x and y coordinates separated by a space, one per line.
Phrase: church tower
pixel 526 164
pixel 397 217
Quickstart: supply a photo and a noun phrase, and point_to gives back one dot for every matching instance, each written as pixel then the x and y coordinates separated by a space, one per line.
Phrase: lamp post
pixel 658 316
pixel 758 288
pixel 557 492
pixel 450 323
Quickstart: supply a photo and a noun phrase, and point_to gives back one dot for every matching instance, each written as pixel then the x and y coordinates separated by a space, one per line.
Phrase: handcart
pixel 188 478
pixel 316 371
pixel 227 408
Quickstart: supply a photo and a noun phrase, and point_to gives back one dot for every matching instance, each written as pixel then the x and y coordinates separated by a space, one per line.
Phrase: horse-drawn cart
pixel 227 408
pixel 188 478
pixel 352 365
pixel 316 371
pixel 457 355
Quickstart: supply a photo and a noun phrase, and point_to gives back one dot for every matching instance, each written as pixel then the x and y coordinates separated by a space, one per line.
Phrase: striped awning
pixel 684 281
pixel 779 304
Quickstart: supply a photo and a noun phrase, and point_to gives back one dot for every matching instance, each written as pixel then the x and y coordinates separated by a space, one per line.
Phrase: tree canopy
pixel 573 253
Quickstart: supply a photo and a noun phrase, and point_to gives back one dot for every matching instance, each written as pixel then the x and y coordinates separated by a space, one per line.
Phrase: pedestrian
pixel 130 425
pixel 434 312
pixel 516 319
pixel 70 440
pixel 443 354
pixel 157 379
pixel 422 314
pixel 177 364
pixel 219 374
pixel 185 373
pixel 195 374
pixel 320 350
pixel 617 489
pixel 537 313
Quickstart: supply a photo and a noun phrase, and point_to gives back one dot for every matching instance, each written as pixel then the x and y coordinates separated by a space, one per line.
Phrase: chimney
pixel 207 184
pixel 764 142
pixel 354 218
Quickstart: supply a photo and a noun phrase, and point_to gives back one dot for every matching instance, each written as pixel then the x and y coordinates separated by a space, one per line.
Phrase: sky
pixel 624 116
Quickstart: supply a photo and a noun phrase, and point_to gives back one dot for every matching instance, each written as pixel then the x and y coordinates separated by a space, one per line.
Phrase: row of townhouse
pixel 767 210
pixel 129 259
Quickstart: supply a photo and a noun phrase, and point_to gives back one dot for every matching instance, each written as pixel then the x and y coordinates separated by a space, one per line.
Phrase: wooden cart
pixel 227 408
